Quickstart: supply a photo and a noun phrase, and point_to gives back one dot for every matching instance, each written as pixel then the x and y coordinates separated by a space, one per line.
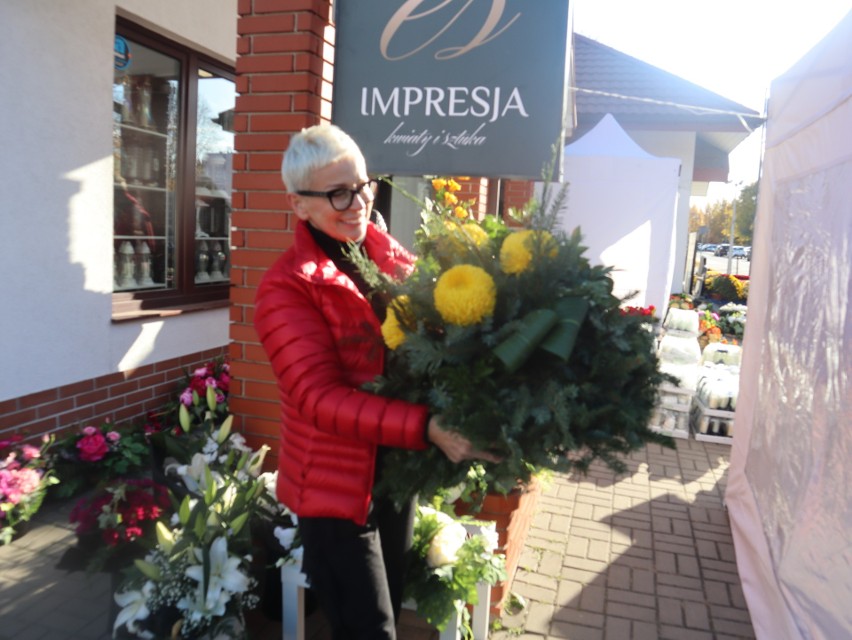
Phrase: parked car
pixel 738 252
pixel 709 247
pixel 748 253
pixel 721 249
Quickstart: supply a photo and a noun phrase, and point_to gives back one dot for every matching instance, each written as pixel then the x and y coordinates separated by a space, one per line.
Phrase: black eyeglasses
pixel 341 199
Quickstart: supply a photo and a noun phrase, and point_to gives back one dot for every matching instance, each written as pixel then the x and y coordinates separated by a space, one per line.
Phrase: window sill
pixel 128 312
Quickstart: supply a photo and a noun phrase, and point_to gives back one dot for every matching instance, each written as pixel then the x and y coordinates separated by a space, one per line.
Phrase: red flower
pixel 131 533
pixel 110 536
pixel 224 382
pixel 132 513
pixel 92 447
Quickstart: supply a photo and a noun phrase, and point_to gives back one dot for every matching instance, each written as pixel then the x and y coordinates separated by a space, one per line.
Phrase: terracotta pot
pixel 512 514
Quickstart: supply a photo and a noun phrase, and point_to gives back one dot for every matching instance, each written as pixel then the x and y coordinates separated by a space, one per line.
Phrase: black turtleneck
pixel 338 253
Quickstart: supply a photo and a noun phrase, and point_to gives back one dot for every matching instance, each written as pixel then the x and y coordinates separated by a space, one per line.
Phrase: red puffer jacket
pixel 324 341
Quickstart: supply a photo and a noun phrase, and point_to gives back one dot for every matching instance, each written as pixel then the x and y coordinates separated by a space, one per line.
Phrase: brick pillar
pixel 516 193
pixel 285 51
pixel 475 189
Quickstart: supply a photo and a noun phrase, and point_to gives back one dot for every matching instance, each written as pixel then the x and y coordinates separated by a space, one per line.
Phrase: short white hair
pixel 314 148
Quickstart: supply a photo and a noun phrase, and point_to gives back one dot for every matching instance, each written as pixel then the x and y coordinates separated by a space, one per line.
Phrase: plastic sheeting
pixel 625 202
pixel 790 479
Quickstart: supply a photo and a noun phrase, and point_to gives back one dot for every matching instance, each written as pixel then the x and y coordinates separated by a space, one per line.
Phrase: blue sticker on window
pixel 122 53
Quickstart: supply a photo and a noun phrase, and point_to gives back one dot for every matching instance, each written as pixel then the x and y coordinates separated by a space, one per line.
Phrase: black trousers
pixel 358 572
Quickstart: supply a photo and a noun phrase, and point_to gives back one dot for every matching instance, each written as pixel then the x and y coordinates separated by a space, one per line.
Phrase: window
pixel 173 144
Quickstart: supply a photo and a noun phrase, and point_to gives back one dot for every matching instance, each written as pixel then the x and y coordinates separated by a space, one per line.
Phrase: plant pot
pixel 512 514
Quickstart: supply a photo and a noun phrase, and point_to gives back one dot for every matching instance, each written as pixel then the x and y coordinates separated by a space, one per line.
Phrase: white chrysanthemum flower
pixel 492 539
pixel 449 538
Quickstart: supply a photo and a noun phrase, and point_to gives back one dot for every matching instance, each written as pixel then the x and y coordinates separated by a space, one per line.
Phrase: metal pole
pixel 731 244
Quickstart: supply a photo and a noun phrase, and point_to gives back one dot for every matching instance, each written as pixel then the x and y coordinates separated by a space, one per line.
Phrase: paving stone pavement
pixel 644 555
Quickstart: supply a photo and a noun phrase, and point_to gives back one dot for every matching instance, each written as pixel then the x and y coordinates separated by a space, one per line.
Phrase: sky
pixel 732 47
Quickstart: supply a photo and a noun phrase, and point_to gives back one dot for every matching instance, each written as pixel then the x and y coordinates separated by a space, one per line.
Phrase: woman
pixel 321 328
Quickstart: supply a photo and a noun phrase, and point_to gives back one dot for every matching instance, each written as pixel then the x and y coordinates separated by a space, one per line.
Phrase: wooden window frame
pixel 186 296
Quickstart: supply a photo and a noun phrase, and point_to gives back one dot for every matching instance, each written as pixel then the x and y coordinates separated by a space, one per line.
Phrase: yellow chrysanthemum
pixel 438 184
pixel 450 198
pixel 452 185
pixel 391 329
pixel 465 294
pixel 476 233
pixel 460 212
pixel 516 253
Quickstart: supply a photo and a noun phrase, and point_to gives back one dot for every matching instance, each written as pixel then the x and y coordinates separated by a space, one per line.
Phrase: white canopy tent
pixel 790 480
pixel 625 202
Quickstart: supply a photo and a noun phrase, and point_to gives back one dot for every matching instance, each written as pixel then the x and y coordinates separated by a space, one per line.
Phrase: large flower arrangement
pixel 198 576
pixel 447 562
pixel 519 343
pixel 97 454
pixel 24 479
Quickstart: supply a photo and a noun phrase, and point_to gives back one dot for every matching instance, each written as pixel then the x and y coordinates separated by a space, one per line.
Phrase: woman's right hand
pixel 454 445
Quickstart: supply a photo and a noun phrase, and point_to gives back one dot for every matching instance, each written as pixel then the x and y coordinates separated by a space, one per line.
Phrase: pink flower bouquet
pixel 94 455
pixel 24 478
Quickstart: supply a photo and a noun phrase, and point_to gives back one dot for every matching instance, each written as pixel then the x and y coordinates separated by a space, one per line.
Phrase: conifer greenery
pixel 555 402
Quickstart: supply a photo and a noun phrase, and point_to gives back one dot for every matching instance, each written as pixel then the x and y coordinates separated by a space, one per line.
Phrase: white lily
pixel 285 536
pixel 199 605
pixel 134 607
pixel 194 475
pixel 210 449
pixel 225 575
pixel 256 461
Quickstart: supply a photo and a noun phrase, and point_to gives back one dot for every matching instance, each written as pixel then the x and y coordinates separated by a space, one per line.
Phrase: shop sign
pixel 453 87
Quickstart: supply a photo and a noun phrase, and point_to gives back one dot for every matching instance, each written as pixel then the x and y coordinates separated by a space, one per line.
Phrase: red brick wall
pixel 119 397
pixel 284 73
pixel 516 193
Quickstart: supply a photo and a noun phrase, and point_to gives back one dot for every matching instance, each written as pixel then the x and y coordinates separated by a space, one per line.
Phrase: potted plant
pixel 196 582
pixel 447 563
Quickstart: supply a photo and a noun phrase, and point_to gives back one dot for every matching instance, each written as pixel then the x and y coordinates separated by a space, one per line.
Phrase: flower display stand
pixel 512 514
pixel 712 425
pixel 294 583
pixel 671 415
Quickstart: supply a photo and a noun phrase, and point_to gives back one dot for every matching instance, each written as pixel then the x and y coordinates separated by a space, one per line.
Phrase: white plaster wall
pixel 56 202
pixel 674 144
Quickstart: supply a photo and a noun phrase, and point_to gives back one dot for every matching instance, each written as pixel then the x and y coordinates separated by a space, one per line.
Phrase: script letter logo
pixel 408 13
